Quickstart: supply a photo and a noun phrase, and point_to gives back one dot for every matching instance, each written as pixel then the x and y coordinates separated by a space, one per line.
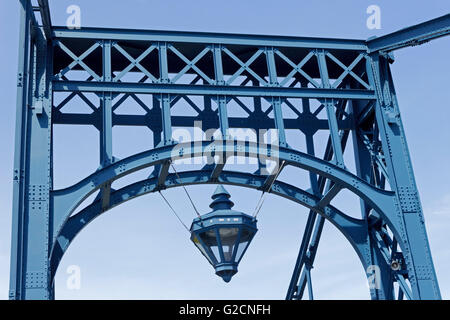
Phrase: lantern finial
pixel 221 199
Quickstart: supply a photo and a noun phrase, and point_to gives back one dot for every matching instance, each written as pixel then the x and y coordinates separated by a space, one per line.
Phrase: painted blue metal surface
pixel 411 36
pixel 343 87
pixel 205 37
pixel 44 10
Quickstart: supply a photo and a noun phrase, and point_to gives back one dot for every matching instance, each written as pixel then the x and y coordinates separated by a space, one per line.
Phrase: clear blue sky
pixel 138 250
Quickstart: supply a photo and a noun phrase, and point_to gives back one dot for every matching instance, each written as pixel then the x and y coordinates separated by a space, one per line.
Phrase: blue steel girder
pixel 421 273
pixel 279 86
pixel 314 224
pixel 44 10
pixel 370 167
pixel 411 36
pixel 223 67
pixel 19 185
pixel 32 181
pixel 206 90
pixel 205 37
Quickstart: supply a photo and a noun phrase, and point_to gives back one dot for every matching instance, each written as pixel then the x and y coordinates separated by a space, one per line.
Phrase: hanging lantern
pixel 223 235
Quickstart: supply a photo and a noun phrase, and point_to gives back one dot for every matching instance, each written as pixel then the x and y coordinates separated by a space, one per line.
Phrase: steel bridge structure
pixel 343 87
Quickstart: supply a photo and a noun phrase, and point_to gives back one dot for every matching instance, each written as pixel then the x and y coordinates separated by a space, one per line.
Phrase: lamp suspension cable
pixel 185 190
pixel 188 195
pixel 174 212
pixel 265 191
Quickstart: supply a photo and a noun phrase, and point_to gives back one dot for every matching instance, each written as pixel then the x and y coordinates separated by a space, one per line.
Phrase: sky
pixel 140 251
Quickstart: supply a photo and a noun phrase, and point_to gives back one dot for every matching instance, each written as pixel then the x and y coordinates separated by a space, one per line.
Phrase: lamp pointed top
pixel 221 199
pixel 220 190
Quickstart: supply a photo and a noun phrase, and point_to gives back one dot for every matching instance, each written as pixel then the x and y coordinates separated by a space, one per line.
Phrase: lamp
pixel 223 235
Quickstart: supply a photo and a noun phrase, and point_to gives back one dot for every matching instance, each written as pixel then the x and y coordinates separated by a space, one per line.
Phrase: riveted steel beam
pixel 208 90
pixel 213 38
pixel 411 36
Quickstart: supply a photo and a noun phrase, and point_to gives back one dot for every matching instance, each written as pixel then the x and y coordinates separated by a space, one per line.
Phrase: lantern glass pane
pixel 228 239
pixel 246 236
pixel 209 239
pixel 202 250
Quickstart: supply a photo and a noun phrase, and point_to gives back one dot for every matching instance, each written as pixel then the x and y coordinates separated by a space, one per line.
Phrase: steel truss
pixel 342 86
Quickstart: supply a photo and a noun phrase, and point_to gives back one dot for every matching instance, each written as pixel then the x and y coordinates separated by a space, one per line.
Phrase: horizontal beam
pixel 412 36
pixel 211 38
pixel 301 122
pixel 208 90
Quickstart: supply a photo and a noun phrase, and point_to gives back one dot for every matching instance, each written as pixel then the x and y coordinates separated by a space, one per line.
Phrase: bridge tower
pixel 343 87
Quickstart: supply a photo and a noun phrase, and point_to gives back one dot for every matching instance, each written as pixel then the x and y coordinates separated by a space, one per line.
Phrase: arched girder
pixel 67 200
pixel 354 230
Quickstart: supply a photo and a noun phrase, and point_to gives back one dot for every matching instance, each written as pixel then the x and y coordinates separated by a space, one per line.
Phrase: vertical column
pixel 329 105
pixel 298 279
pixel 309 137
pixel 363 163
pixel 276 101
pixel 257 105
pixel 165 98
pixel 157 130
pixel 31 231
pixel 16 272
pixel 411 235
pixel 221 100
pixel 106 156
pixel 106 153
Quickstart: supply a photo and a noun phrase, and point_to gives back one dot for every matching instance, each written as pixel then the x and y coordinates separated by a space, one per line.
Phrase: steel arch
pixel 355 230
pixel 66 200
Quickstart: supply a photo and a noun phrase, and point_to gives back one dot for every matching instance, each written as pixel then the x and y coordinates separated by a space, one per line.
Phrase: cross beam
pixel 411 36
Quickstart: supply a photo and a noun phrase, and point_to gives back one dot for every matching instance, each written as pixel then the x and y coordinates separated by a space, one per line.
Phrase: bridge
pixel 341 86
